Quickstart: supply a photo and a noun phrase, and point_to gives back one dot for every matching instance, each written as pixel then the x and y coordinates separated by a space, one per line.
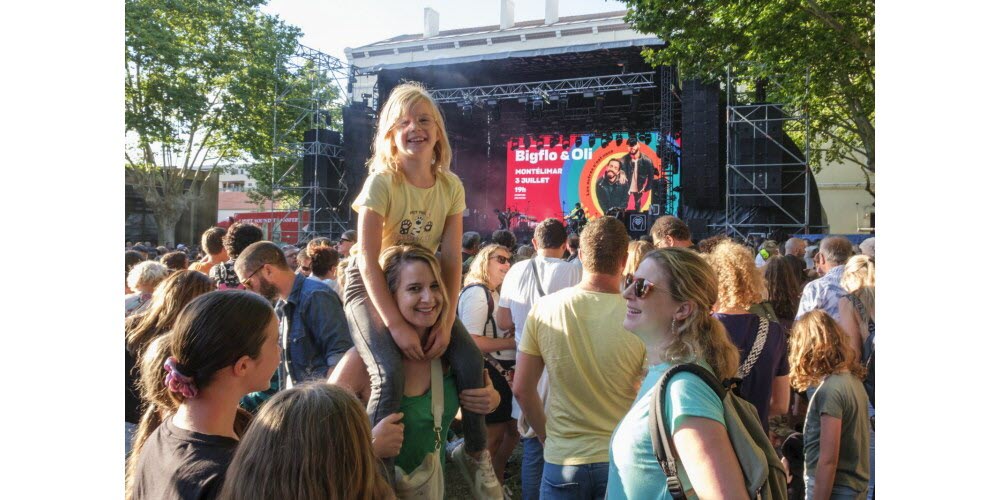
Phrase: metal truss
pixel 320 73
pixel 764 119
pixel 667 148
pixel 546 90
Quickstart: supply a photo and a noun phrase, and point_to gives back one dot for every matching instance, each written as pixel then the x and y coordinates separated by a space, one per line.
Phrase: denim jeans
pixel 840 492
pixel 532 461
pixel 384 361
pixel 574 481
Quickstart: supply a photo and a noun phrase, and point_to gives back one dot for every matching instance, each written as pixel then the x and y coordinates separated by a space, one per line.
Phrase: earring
pixel 673 327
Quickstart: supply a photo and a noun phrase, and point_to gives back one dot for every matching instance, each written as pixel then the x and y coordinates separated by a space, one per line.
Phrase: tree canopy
pixel 823 50
pixel 200 81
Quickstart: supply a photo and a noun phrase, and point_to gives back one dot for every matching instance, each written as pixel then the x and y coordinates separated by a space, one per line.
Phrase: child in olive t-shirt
pixel 821 357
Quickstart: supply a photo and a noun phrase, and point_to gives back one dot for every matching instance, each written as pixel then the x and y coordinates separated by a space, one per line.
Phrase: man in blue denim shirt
pixel 824 293
pixel 314 332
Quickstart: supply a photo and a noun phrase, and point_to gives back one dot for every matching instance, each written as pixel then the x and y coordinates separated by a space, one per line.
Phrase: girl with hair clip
pixel 222 346
pixel 309 442
pixel 169 297
pixel 411 197
pixel 835 436
pixel 414 285
pixel 857 318
pixel 477 307
pixel 669 303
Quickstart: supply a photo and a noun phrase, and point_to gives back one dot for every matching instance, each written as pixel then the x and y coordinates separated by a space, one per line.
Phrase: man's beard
pixel 268 290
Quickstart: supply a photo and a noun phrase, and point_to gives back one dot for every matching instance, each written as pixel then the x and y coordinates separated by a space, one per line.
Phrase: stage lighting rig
pixel 579 141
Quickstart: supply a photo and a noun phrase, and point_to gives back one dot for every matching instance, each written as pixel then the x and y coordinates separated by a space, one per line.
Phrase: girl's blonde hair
pixel 393 259
pixel 479 269
pixel 699 335
pixel 741 284
pixel 404 96
pixel 818 348
pixel 859 280
pixel 310 441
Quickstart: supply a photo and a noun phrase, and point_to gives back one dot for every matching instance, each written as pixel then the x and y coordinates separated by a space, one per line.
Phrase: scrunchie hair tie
pixel 177 381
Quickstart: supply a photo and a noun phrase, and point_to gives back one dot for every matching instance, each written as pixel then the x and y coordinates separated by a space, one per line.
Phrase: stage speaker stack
pixel 758 155
pixel 701 140
pixel 320 169
pixel 359 128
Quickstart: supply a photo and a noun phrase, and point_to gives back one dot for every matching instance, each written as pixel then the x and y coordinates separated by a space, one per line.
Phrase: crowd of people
pixel 343 368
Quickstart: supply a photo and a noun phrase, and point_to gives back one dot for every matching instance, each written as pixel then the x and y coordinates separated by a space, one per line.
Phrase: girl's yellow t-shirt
pixel 413 216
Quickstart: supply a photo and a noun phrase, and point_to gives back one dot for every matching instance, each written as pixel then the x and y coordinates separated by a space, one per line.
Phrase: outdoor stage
pixel 537 131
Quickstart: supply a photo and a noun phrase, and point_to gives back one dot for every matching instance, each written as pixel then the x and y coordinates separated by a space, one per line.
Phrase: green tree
pixel 199 90
pixel 824 51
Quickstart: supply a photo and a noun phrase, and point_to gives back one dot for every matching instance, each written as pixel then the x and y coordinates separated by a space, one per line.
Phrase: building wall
pixel 233 186
pixel 844 199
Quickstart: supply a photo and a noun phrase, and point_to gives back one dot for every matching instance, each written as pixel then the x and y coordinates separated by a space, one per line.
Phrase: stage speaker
pixel 701 155
pixel 359 129
pixel 319 166
pixel 758 156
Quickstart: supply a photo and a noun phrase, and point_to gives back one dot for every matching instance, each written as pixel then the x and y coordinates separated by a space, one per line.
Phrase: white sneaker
pixel 478 474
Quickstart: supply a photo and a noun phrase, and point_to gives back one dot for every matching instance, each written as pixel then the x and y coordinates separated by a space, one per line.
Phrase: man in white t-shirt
pixel 519 292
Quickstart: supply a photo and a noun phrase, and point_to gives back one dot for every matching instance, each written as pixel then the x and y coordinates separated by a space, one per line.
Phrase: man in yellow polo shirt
pixel 594 367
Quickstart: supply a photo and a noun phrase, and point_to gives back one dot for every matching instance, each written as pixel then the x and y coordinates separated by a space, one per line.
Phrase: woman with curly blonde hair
pixel 836 428
pixel 741 286
pixel 668 305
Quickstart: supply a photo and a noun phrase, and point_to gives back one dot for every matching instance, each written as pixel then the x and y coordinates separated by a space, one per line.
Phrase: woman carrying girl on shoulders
pixel 411 197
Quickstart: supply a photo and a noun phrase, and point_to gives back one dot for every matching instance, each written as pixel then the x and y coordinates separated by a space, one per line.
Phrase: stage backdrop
pixel 548 181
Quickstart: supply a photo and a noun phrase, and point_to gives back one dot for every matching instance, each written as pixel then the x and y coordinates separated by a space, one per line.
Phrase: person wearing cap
pixel 639 170
pixel 347 240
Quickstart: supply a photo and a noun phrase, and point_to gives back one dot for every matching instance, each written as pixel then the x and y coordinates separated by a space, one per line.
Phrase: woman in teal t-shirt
pixel 669 303
pixel 414 280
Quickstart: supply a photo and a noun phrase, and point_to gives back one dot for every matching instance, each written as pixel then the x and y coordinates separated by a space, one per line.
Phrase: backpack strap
pixel 489 306
pixel 658 431
pixel 758 347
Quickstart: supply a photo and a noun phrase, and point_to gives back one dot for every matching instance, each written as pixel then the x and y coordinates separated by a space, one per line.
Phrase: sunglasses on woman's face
pixel 501 259
pixel 641 285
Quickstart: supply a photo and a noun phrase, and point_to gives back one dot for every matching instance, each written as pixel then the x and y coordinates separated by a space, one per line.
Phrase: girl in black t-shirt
pixel 223 346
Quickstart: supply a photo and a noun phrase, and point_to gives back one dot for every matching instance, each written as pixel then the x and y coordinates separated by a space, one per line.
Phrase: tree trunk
pixel 167 230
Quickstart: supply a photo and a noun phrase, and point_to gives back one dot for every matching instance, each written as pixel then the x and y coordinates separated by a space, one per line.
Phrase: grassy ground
pixel 456 488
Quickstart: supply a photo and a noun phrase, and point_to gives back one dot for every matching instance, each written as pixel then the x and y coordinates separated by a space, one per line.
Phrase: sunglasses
pixel 642 286
pixel 501 259
pixel 246 281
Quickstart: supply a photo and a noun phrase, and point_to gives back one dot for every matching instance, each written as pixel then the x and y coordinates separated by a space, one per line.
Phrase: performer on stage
pixel 640 171
pixel 612 188
pixel 577 219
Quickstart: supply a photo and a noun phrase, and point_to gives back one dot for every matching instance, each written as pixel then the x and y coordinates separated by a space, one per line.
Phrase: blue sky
pixel 333 25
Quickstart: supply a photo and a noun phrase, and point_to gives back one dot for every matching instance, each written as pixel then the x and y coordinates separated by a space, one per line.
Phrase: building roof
pixel 537 23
